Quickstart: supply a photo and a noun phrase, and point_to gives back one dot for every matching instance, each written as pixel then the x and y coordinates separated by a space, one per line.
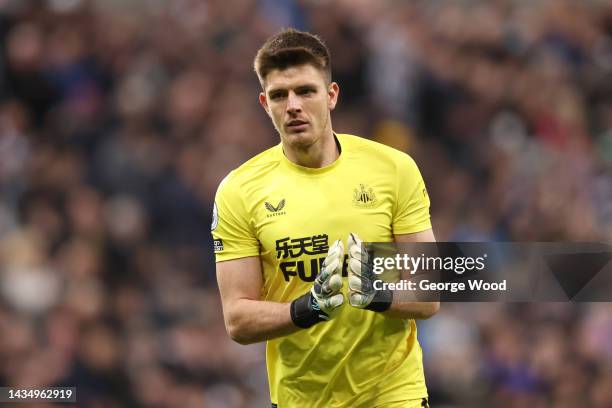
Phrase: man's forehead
pixel 294 76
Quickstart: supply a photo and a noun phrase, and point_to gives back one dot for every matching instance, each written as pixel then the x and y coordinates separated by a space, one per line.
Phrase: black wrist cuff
pixel 302 312
pixel 381 302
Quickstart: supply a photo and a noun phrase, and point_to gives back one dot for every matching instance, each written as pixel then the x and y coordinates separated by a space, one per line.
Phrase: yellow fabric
pixel 416 403
pixel 289 215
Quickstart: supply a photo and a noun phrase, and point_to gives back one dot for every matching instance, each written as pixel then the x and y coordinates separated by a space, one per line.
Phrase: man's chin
pixel 298 139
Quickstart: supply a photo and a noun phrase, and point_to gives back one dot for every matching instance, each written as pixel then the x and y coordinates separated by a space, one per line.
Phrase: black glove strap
pixel 304 314
pixel 381 302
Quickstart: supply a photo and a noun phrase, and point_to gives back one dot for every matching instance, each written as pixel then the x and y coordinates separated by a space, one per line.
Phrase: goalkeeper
pixel 281 223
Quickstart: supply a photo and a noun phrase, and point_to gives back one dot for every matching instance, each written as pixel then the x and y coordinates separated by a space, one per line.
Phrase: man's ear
pixel 333 90
pixel 263 101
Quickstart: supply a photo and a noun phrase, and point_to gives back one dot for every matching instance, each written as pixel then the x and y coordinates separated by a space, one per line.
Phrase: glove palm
pixel 362 294
pixel 327 285
pixel 324 299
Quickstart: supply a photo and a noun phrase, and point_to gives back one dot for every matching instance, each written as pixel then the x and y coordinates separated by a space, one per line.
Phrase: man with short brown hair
pixel 281 223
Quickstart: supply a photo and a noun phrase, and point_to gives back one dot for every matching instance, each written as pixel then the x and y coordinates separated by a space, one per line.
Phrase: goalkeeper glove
pixel 361 280
pixel 324 298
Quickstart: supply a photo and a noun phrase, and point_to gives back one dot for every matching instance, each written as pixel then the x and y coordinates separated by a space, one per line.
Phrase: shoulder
pixel 252 170
pixel 374 153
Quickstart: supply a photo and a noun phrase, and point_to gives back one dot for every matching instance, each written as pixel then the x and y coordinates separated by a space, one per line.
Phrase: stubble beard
pixel 301 143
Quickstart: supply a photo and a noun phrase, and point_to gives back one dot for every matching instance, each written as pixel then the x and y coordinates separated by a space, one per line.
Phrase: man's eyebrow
pixel 300 86
pixel 275 90
pixel 306 86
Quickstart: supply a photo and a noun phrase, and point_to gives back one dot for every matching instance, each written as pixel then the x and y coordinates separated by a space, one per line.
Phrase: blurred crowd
pixel 118 119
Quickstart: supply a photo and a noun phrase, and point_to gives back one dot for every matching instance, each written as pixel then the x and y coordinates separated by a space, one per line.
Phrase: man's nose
pixel 293 103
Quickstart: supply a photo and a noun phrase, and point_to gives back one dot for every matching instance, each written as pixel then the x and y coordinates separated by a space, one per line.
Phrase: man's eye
pixel 276 96
pixel 306 91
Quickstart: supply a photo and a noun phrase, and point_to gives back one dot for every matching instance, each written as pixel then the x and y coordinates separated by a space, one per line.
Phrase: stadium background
pixel 119 118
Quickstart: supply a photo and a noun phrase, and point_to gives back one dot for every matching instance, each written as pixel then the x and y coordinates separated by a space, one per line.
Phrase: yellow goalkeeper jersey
pixel 289 215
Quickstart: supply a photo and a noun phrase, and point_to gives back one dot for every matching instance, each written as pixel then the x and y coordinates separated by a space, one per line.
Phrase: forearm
pixel 251 321
pixel 400 309
pixel 404 305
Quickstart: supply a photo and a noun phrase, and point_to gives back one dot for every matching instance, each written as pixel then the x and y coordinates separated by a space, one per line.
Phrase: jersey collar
pixel 311 170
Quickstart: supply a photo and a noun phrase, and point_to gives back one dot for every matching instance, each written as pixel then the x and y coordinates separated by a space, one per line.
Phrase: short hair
pixel 289 48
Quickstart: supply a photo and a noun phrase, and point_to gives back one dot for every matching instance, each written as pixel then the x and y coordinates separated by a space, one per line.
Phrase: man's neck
pixel 316 155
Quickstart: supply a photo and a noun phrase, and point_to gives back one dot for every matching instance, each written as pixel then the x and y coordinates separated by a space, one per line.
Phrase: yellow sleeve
pixel 231 228
pixel 411 210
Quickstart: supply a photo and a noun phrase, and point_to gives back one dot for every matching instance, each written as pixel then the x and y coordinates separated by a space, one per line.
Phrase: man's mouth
pixel 297 125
